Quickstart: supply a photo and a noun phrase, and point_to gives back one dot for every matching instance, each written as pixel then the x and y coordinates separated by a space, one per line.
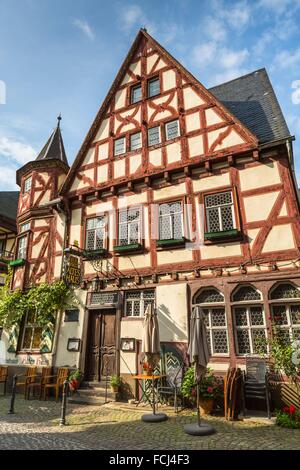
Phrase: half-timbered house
pixel 8 229
pixel 179 196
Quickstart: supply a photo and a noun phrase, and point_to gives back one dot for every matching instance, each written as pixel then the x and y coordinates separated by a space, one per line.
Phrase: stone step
pixel 95 392
pixel 87 400
pixel 96 384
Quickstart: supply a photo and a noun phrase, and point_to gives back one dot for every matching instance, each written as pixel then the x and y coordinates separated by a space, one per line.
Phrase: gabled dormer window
pixel 153 87
pixel 27 184
pixel 136 94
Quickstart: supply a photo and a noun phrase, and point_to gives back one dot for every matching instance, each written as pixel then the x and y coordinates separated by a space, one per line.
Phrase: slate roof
pixel 54 148
pixel 252 100
pixel 9 204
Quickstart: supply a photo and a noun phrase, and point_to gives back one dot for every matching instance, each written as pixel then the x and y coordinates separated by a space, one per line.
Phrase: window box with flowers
pixel 210 389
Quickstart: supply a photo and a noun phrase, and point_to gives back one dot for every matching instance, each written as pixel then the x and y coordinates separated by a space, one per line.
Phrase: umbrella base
pixel 196 430
pixel 154 418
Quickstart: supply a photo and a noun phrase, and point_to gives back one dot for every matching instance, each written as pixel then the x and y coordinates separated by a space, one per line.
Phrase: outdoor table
pixel 146 392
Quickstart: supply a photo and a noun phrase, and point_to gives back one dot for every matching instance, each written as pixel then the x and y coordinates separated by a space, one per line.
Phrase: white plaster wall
pixel 134 163
pixel 75 227
pixel 195 145
pixel 232 139
pixel 221 251
pixel 90 155
pixel 174 256
pixel 103 130
pixel 259 207
pixel 155 157
pixel 175 190
pixel 258 176
pixel 171 301
pixel 191 99
pixel 120 98
pixel 192 122
pixel 102 173
pixel 173 152
pixel 169 80
pixel 211 182
pixel 279 238
pixel 103 151
pixel 119 168
pixel 212 117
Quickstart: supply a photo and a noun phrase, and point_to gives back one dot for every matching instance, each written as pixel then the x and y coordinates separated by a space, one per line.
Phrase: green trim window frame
pixel 154 137
pixel 219 212
pixel 119 146
pixel 32 333
pixel 135 141
pixel 172 129
pixel 95 233
pixel 129 226
pixel 136 302
pixel 27 184
pixel 22 247
pixel 153 87
pixel 170 221
pixel 136 94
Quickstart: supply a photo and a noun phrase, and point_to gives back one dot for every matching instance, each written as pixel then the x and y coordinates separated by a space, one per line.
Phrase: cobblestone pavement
pixel 118 426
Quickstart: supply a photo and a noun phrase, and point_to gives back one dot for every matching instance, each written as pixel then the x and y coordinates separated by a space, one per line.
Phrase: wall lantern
pixel 97 284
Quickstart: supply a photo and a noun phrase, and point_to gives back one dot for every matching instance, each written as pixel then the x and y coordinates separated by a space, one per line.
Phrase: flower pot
pixel 114 388
pixel 206 406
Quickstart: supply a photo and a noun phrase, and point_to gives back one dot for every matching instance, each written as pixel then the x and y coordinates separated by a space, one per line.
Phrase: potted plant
pixel 115 383
pixel 210 388
pixel 288 417
pixel 147 368
pixel 74 379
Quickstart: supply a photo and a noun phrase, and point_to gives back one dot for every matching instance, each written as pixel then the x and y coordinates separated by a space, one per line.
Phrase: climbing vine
pixel 45 300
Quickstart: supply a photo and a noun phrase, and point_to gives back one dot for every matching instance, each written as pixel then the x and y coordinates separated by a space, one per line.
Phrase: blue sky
pixel 62 55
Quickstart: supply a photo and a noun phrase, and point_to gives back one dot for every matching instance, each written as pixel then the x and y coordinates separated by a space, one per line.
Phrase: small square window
pixel 136 94
pixel 154 136
pixel 153 87
pixel 135 141
pixel 119 146
pixel 27 184
pixel 172 129
pixel 24 227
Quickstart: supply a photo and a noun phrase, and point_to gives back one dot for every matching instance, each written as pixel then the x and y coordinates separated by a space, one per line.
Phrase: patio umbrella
pixel 198 351
pixel 151 347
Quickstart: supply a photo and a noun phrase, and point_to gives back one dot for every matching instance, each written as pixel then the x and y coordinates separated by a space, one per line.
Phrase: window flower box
pixel 94 254
pixel 221 235
pixel 17 262
pixel 132 247
pixel 170 242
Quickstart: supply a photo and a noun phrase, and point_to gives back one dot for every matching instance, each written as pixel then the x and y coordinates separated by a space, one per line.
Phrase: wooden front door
pixel 101 341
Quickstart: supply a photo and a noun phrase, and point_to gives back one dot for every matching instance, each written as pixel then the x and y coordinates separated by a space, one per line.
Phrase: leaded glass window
pixel 24 227
pixel 153 87
pixel 170 221
pixel 250 329
pixel 245 294
pixel 209 295
pixel 27 184
pixel 219 212
pixel 136 302
pixel 102 298
pixel 172 129
pixel 136 93
pixel 32 333
pixel 287 320
pixel 154 136
pixel 95 233
pixel 135 141
pixel 22 247
pixel 130 226
pixel 285 290
pixel 119 146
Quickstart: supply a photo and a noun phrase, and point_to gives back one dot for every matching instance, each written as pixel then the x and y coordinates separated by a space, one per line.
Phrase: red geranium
pixel 209 389
pixel 292 409
pixel 286 409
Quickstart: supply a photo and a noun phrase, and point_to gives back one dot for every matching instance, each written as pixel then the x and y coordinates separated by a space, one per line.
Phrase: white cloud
pixel 84 27
pixel 238 15
pixel 8 179
pixel 295 96
pixel 293 121
pixel 279 6
pixel 230 59
pixel 203 54
pixel 214 28
pixel 286 59
pixel 16 151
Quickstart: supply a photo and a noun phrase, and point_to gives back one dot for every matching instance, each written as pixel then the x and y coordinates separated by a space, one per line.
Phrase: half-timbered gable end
pixel 40 225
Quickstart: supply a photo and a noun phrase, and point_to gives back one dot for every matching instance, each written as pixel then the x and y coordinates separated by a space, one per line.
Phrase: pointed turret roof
pixel 53 153
pixel 54 148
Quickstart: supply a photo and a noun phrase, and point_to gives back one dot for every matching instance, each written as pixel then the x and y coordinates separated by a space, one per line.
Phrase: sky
pixel 61 56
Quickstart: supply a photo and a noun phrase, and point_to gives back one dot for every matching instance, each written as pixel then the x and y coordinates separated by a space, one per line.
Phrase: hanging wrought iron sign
pixel 72 270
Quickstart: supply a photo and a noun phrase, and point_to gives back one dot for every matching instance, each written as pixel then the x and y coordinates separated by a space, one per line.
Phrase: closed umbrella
pixel 151 347
pixel 199 354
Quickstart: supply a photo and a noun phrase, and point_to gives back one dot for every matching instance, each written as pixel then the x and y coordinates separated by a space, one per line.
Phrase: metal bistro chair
pixel 3 377
pixel 256 382
pixel 172 367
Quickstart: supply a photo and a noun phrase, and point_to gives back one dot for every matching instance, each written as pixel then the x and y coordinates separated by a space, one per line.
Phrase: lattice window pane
pixel 220 344
pixel 165 231
pixel 172 129
pixel 285 291
pixel 243 341
pixel 279 315
pixel 256 316
pixel 104 298
pixel 136 302
pixel 213 220
pixel 218 317
pixel 241 316
pixel 153 87
pixel 219 199
pixel 153 136
pixel 27 338
pixel 135 141
pixel 123 234
pixel 136 94
pixel 177 226
pixel 37 337
pixel 22 247
pixel 295 314
pixel 259 340
pixel 133 295
pixel 208 296
pixel 119 146
pixel 27 185
pixel 246 293
pixel 227 218
pixel 100 234
pixel 90 240
pixel 296 333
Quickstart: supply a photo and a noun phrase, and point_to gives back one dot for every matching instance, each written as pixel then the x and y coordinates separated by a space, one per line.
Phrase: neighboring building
pixel 8 229
pixel 179 196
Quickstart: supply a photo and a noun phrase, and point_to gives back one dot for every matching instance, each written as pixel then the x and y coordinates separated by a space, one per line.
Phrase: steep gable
pixel 206 128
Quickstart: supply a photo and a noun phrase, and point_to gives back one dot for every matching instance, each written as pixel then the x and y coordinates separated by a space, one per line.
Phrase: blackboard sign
pixel 72 315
